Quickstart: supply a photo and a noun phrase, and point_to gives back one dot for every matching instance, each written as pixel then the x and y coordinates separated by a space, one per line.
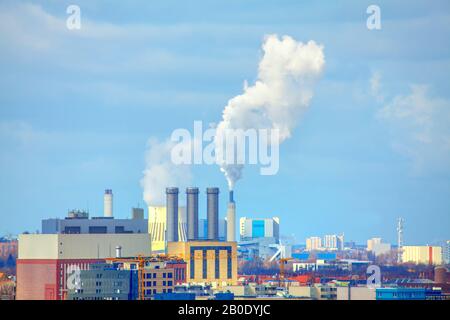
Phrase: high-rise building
pixel 446 252
pixel 372 242
pixel 422 254
pixel 377 247
pixel 313 243
pixel 333 242
pixel 259 228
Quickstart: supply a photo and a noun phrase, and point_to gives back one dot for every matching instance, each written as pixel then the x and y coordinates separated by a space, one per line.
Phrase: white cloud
pixel 375 86
pixel 419 125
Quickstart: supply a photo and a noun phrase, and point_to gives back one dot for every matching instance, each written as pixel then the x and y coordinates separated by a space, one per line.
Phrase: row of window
pixel 154 275
pixel 153 284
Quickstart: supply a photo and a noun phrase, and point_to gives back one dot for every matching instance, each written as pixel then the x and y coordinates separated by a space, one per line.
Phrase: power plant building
pixel 251 229
pixel 157 218
pixel 45 260
pixel 78 222
pixel 212 262
pixel 203 229
pixel 209 261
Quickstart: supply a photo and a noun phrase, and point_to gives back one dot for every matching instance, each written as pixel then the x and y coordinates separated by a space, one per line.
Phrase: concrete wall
pixel 355 293
pixel 82 246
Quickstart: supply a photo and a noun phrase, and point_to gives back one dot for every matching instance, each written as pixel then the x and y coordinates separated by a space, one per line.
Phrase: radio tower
pixel 400 239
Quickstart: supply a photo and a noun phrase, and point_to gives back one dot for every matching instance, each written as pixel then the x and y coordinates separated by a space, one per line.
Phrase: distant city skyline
pixel 78 107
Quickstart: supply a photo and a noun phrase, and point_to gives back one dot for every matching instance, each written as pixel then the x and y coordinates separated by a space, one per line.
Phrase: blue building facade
pixel 400 293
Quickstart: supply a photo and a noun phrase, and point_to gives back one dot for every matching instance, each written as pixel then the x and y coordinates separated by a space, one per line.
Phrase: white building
pixel 250 229
pixel 333 242
pixel 377 247
pixel 372 242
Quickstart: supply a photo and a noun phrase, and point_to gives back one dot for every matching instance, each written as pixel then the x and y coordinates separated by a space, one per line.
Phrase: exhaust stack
pixel 192 213
pixel 172 214
pixel 231 218
pixel 108 204
pixel 213 213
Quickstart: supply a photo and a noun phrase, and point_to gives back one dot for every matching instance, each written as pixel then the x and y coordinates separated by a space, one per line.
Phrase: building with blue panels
pixel 104 281
pixel 399 293
pixel 251 229
pixel 203 229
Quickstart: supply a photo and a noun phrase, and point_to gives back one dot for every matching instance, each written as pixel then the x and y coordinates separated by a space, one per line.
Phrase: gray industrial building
pixel 93 225
pixel 105 281
pixel 78 221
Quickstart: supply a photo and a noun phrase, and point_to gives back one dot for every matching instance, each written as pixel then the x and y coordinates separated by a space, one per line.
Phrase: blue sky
pixel 77 109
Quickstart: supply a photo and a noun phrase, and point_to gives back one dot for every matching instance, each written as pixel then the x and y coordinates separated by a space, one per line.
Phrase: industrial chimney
pixel 108 204
pixel 213 213
pixel 192 213
pixel 118 252
pixel 172 214
pixel 231 219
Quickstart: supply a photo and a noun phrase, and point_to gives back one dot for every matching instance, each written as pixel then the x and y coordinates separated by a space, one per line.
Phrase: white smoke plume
pixel 160 172
pixel 283 90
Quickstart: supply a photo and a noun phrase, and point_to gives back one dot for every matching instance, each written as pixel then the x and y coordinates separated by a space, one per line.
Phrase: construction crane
pixel 282 262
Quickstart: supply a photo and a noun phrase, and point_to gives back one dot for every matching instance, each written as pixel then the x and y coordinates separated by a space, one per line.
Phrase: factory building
pixel 213 262
pixel 210 260
pixel 46 261
pixel 157 219
pixel 431 255
pixel 203 229
pixel 251 229
pixel 96 225
pixel 78 221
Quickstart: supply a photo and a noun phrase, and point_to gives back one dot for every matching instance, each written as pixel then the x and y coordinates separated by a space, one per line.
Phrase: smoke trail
pixel 287 73
pixel 160 172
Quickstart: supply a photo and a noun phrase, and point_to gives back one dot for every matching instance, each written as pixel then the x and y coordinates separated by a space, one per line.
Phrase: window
pixel 164 283
pixel 164 275
pixel 99 229
pixel 154 283
pixel 169 283
pixel 169 290
pixel 170 275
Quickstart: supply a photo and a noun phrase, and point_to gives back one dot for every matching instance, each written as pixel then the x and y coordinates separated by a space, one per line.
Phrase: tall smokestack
pixel 231 219
pixel 192 213
pixel 172 214
pixel 213 213
pixel 108 204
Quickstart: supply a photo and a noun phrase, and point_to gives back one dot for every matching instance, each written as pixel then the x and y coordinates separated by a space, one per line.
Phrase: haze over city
pixel 78 109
